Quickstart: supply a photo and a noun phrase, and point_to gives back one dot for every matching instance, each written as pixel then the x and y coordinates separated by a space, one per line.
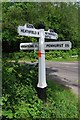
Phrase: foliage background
pixel 20 100
pixel 62 17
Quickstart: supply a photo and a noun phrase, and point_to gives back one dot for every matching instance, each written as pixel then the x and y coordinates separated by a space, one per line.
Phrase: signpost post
pixel 41 47
pixel 42 72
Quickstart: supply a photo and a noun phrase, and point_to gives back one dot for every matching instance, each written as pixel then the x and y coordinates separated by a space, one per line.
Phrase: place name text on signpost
pixel 61 45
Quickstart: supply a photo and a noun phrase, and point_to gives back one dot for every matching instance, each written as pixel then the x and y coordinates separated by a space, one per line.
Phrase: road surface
pixel 65 73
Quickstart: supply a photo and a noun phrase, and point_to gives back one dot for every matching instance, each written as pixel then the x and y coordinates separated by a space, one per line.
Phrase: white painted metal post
pixel 42 72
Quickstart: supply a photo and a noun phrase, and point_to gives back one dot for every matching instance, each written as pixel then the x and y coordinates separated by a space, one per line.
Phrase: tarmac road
pixel 65 73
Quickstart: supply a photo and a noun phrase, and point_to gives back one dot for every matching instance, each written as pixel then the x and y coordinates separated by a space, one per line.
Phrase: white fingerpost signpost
pixel 41 46
pixel 60 45
pixel 42 72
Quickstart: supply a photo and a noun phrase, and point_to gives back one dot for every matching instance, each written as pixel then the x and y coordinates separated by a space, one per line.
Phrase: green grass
pixel 55 86
pixel 54 59
pixel 33 57
pixel 64 60
pixel 20 94
pixel 58 59
pixel 65 101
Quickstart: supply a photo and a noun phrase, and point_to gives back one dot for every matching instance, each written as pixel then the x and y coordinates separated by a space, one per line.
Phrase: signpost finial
pixel 41 26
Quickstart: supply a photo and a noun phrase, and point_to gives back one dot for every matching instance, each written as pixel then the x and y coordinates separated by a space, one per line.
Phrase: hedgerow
pixel 20 100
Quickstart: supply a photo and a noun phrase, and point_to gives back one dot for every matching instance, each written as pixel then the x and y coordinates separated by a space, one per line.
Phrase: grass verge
pixel 65 101
pixel 33 57
pixel 20 98
pixel 70 59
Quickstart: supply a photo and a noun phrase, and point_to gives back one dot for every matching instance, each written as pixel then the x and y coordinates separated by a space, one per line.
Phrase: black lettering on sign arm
pixel 66 45
pixel 22 30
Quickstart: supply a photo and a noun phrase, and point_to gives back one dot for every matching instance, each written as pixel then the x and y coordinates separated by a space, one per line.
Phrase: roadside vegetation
pixel 19 80
pixel 20 100
pixel 27 56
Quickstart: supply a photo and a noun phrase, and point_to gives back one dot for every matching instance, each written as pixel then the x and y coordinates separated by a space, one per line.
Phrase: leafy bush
pixel 20 100
pixel 33 55
pixel 61 54
pixel 19 95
